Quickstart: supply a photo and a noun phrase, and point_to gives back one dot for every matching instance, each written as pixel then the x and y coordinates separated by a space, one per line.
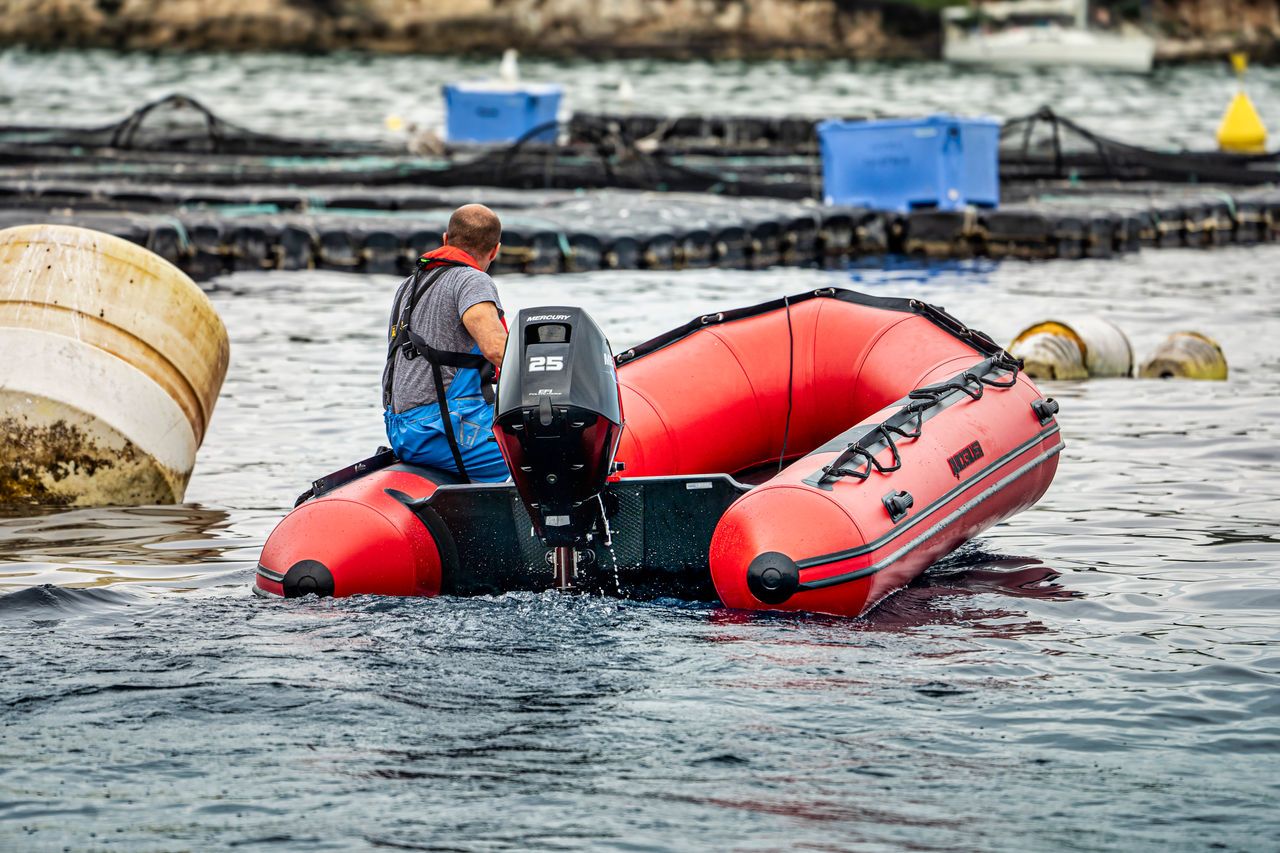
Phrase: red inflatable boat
pixel 811 453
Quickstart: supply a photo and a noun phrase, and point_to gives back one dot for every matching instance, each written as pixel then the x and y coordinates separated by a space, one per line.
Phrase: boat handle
pixel 897 503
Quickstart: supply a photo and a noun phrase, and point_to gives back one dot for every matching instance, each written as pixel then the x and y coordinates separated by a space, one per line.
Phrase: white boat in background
pixel 1021 33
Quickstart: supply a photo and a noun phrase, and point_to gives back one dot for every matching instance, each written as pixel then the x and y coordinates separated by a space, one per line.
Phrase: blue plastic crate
pixel 491 112
pixel 940 162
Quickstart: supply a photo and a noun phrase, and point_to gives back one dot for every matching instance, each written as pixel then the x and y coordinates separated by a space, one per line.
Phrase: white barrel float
pixel 1186 355
pixel 113 360
pixel 1078 348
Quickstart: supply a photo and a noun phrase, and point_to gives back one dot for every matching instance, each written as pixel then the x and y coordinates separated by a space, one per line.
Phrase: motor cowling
pixel 559 419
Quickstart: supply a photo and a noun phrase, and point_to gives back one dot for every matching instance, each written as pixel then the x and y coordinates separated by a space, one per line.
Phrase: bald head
pixel 474 229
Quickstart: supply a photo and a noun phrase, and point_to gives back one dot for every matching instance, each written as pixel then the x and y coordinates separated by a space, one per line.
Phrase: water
pixel 1099 673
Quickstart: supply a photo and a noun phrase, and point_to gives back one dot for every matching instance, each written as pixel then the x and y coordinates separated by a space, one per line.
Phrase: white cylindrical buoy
pixel 1049 355
pixel 1186 355
pixel 626 95
pixel 113 362
pixel 509 67
pixel 1079 348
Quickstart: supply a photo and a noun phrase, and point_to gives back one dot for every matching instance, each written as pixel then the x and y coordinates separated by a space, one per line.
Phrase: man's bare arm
pixel 482 322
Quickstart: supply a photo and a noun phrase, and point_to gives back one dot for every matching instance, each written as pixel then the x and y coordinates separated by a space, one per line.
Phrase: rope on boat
pixel 858 459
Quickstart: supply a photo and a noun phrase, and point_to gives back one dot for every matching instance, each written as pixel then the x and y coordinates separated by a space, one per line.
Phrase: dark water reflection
pixel 545 722
pixel 166 546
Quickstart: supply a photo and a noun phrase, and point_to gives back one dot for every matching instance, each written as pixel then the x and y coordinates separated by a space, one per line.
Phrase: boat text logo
pixel 965 458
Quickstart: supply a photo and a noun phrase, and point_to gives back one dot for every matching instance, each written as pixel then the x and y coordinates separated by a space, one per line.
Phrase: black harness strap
pixel 448 422
pixel 405 312
pixel 462 360
pixel 416 346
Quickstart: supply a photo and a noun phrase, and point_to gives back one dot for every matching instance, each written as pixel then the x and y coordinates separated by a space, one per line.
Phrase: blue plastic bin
pixel 941 162
pixel 493 112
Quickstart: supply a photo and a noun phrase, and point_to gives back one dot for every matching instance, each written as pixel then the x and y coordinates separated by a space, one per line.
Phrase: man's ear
pixel 445 238
pixel 494 253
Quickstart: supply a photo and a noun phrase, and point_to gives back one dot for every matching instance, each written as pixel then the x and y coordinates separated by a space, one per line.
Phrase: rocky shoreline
pixel 1188 30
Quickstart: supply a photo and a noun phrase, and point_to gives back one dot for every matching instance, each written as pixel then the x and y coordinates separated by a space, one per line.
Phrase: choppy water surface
pixel 1100 673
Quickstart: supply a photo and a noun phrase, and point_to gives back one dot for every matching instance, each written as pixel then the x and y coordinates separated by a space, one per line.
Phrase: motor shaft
pixel 565 564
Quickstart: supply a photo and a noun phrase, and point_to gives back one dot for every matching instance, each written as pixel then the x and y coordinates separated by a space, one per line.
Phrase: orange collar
pixel 449 253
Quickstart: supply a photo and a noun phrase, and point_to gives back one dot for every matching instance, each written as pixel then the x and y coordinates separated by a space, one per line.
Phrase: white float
pixel 112 363
pixel 1077 347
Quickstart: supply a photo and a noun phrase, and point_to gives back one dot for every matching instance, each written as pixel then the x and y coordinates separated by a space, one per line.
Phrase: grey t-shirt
pixel 438 319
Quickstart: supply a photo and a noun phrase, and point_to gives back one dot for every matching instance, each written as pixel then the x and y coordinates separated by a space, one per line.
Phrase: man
pixel 446 337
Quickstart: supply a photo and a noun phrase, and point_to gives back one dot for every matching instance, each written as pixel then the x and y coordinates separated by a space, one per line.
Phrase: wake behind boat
pixel 814 453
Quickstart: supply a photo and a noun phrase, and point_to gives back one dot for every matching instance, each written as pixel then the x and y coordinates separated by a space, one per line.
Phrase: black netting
pixel 176 123
pixel 725 155
pixel 1046 146
pixel 176 140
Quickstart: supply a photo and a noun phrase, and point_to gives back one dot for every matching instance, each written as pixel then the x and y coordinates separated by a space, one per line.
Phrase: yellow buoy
pixel 1186 355
pixel 113 359
pixel 1241 130
pixel 1078 348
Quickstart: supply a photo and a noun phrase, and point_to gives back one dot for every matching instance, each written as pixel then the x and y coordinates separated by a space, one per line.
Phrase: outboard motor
pixel 559 419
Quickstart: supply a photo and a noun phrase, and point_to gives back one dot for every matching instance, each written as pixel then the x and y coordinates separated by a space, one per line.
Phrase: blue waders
pixel 455 432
